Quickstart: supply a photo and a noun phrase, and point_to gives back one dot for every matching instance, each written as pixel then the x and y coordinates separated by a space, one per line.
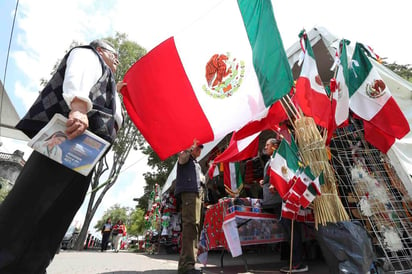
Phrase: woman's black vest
pixel 50 102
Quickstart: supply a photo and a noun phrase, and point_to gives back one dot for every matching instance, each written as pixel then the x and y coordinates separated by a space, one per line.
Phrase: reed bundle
pixel 328 206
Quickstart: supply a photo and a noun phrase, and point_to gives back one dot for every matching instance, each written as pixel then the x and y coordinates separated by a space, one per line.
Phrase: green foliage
pixel 161 170
pixel 115 213
pixel 405 71
pixel 136 222
pixel 129 52
pixel 4 189
pixel 132 218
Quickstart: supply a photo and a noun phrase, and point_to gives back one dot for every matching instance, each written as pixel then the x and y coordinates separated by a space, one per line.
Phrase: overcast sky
pixel 44 29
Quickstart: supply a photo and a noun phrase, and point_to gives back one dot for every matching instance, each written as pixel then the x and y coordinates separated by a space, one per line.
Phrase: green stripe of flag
pixel 269 56
pixel 289 155
pixel 360 70
pixel 239 178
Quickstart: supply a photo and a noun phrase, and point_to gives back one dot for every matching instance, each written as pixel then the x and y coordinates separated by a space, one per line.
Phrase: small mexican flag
pixel 232 177
pixel 311 191
pixel 310 92
pixel 283 167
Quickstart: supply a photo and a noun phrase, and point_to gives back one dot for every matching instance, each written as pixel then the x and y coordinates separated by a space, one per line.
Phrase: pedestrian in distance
pixel 106 232
pixel 119 232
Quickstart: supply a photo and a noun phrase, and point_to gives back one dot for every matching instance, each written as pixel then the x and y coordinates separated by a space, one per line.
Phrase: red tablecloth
pixel 244 215
pixel 254 227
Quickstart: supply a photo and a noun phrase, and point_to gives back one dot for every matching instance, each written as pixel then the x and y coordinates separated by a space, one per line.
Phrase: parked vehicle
pixel 70 238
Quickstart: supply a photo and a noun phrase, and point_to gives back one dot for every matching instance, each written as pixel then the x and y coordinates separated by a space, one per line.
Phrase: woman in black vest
pixel 47 195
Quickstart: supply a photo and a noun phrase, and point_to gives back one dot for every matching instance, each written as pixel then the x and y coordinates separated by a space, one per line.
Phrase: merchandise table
pixel 236 222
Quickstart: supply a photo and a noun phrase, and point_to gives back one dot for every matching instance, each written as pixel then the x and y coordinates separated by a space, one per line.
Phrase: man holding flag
pixel 189 183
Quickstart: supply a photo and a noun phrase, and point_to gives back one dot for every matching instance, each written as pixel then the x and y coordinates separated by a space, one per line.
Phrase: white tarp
pixel 9 118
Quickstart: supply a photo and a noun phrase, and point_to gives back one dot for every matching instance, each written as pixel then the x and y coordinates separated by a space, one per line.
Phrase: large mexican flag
pixel 220 73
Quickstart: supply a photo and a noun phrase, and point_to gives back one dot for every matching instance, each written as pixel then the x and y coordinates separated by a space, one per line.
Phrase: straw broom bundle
pixel 328 206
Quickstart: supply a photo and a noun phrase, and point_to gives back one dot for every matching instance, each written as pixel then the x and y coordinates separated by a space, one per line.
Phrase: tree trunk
pixel 124 142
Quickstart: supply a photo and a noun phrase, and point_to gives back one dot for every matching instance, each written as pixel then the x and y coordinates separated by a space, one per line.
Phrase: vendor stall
pixel 236 222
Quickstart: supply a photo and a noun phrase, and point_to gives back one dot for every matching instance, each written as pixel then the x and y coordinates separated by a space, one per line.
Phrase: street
pixel 124 262
pixel 89 262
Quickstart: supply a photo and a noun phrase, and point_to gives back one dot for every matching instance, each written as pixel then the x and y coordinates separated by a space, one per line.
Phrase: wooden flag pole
pixel 291 246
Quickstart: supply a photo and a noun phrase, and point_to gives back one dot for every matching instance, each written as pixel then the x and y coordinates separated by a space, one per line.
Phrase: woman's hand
pixel 77 122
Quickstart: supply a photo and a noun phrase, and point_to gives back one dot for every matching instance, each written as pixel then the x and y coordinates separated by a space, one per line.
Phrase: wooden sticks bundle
pixel 328 206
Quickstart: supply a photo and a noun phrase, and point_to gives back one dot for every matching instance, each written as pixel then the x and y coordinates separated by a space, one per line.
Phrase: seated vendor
pixel 271 202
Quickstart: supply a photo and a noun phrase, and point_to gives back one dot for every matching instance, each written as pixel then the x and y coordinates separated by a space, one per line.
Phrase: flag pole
pixel 291 246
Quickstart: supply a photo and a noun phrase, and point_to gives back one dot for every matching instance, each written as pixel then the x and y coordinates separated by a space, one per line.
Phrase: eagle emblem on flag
pixel 284 171
pixel 223 75
pixel 376 89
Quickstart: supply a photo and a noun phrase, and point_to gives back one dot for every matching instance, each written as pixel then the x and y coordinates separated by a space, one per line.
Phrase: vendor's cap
pixel 103 44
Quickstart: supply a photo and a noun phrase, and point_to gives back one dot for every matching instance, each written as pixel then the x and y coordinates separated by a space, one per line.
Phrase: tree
pixel 133 219
pixel 127 138
pixel 4 189
pixel 161 170
pixel 136 217
pixel 115 213
pixel 405 71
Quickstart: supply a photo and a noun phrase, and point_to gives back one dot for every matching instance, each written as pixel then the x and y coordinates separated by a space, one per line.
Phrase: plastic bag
pixel 346 247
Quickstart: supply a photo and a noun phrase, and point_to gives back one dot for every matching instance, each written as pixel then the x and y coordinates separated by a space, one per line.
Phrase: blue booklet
pixel 80 154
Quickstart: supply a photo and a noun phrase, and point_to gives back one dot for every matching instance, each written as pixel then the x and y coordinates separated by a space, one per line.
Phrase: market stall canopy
pixel 9 118
pixel 324 44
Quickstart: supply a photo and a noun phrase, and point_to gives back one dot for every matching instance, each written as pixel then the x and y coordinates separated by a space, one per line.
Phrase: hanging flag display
pixel 245 142
pixel 311 95
pixel 340 93
pixel 371 100
pixel 239 150
pixel 199 86
pixel 232 177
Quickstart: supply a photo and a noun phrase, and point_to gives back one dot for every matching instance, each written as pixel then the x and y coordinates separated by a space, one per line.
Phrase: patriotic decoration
pixel 283 167
pixel 232 178
pixel 311 191
pixel 304 189
pixel 195 87
pixel 340 93
pixel 239 149
pixel 311 95
pixel 245 142
pixel 213 170
pixel 371 100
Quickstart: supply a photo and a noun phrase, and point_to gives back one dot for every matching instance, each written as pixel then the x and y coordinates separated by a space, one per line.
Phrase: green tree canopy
pixel 115 213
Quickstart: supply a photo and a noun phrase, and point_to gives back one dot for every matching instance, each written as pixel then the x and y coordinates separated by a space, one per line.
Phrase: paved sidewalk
pixel 88 262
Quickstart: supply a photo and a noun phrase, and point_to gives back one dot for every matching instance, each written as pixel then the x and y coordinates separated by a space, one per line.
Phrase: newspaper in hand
pixel 80 154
